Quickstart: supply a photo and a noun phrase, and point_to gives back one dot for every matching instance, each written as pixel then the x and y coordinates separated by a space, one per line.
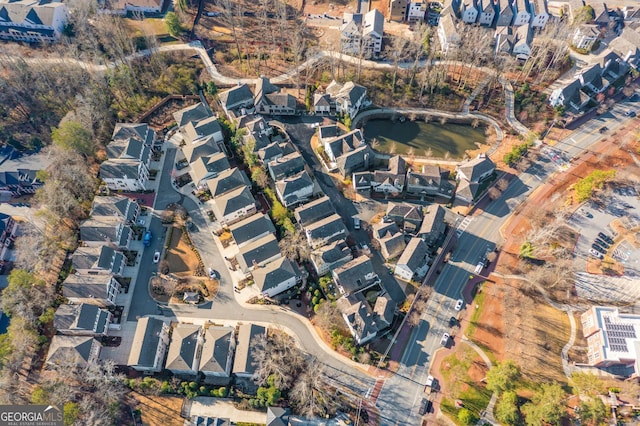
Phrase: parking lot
pixel 620 210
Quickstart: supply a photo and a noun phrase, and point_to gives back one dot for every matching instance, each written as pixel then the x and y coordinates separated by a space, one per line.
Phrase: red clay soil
pixel 489 332
pixel 517 226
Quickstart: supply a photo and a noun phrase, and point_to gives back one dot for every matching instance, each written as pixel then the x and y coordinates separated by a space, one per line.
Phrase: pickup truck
pixel 147 238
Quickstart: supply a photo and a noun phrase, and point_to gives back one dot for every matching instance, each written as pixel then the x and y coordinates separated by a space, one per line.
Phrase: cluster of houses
pixel 213 353
pixel 98 275
pixel 128 157
pixel 576 96
pixel 514 24
pixel 38 21
pixel 350 155
pixel 259 255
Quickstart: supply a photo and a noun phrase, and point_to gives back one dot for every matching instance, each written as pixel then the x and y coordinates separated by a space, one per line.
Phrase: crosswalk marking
pixel 463 225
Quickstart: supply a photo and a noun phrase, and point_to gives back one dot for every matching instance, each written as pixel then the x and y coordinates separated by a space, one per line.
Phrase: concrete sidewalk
pixel 223 408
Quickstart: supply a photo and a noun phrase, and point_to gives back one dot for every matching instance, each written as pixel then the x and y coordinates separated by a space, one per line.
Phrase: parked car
pixel 605 237
pixel 603 129
pixel 630 114
pixel 430 380
pixel 213 273
pixel 585 213
pixel 598 248
pixel 356 222
pixel 212 14
pixel 596 254
pixel 445 339
pixel 156 257
pixel 459 304
pixel 425 407
pixel 602 243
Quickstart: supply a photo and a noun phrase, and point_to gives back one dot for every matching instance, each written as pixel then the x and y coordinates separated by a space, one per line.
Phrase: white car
pixel 430 380
pixel 156 257
pixel 445 339
pixel 459 304
pixel 595 253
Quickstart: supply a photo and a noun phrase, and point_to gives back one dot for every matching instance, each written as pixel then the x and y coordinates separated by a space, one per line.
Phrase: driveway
pixel 300 131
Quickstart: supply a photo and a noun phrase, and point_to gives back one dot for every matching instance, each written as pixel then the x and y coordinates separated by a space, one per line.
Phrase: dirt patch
pixel 182 259
pixel 534 332
pixel 158 410
pixel 489 331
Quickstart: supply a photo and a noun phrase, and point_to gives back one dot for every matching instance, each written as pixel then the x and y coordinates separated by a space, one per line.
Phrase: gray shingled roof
pixel 314 211
pixel 433 220
pixel 102 257
pixel 145 342
pixel 87 286
pixel 79 318
pixel 244 360
pixel 358 314
pixel 414 255
pixel 183 346
pixel 332 253
pixel 345 143
pixel 233 201
pixel 274 273
pixel 195 112
pixel 139 131
pixel 201 148
pixel 251 227
pixel 227 181
pixel 288 187
pixel 287 165
pixel 235 96
pixel 477 167
pixel 352 275
pixel 328 229
pixel 206 127
pixel 352 91
pixel 215 349
pixel 258 251
pixel 212 164
pixel 114 205
pixel 384 310
pixel 66 349
pixel 119 169
pixel 354 160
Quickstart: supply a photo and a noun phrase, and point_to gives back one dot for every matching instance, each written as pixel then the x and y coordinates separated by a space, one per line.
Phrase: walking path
pixel 223 80
pixel 488 413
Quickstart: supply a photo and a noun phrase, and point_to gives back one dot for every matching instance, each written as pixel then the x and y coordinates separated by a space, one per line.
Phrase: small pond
pixel 427 139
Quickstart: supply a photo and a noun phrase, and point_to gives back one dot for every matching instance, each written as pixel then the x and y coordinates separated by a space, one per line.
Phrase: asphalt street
pixel 224 306
pixel 401 394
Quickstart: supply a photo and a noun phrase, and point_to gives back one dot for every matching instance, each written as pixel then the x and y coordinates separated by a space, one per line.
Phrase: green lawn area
pixel 459 385
pixel 150 26
pixel 475 399
pixel 475 316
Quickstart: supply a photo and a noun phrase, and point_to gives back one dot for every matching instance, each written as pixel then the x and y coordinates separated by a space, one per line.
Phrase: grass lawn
pixel 463 372
pixel 150 26
pixel 475 316
pixel 475 399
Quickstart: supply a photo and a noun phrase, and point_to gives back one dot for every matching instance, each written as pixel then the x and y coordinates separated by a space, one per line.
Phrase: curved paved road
pixel 224 307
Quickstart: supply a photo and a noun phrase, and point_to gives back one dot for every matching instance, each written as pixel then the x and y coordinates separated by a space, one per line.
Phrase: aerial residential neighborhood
pixel 289 212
